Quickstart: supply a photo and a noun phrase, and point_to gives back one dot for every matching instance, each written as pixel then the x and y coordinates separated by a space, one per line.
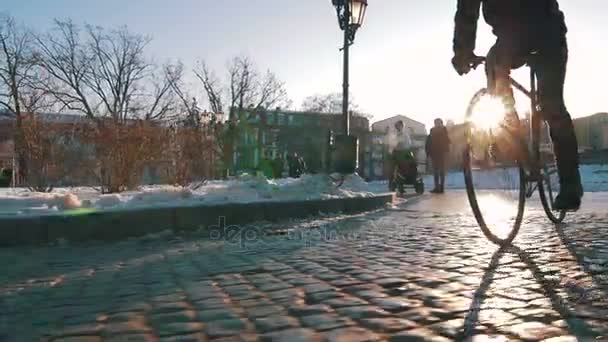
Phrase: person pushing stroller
pixel 404 168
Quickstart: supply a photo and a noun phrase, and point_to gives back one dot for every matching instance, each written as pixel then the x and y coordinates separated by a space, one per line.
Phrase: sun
pixel 488 113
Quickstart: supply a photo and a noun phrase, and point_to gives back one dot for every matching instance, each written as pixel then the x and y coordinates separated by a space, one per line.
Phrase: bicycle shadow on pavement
pixel 577 326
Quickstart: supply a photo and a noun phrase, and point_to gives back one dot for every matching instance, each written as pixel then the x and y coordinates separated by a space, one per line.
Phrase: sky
pixel 400 63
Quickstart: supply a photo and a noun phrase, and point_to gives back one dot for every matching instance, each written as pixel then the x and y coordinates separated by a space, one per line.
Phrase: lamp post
pixel 351 14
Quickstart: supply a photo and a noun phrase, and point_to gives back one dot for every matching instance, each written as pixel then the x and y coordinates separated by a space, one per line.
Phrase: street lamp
pixel 351 14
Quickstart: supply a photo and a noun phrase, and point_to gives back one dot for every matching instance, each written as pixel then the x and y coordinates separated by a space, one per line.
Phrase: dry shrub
pixel 122 150
pixel 44 150
pixel 192 154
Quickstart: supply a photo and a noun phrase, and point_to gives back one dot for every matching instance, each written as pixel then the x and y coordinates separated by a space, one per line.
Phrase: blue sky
pixel 400 61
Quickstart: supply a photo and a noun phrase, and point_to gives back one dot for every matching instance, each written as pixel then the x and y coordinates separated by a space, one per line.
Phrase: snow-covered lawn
pixel 244 189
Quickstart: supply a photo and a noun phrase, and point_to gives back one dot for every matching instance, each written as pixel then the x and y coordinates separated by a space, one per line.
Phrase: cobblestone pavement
pixel 417 272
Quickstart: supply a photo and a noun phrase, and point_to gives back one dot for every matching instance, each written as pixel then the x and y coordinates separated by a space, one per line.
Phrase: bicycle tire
pixel 472 194
pixel 544 183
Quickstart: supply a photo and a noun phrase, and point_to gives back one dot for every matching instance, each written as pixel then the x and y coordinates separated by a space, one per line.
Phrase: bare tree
pixel 18 96
pixel 327 103
pixel 212 87
pixel 64 56
pixel 270 91
pixel 104 73
pixel 245 87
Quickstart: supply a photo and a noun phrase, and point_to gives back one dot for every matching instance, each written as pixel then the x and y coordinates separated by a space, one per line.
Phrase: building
pixel 592 132
pixel 277 133
pixel 376 156
pixel 458 139
pixel 381 131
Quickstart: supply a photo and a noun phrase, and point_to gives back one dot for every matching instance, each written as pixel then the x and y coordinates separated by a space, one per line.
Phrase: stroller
pixel 405 172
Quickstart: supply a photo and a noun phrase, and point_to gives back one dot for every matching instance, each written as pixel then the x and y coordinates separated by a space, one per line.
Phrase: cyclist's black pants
pixel 550 64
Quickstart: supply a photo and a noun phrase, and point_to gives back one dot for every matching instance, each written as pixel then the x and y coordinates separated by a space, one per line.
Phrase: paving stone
pixel 423 316
pixel 263 311
pixel 360 312
pixel 126 328
pixel 228 327
pixel 174 317
pixel 322 297
pixel 316 287
pixel 217 315
pixel 77 339
pixel 293 335
pixel 390 282
pixel 286 293
pixel 179 328
pixel 92 329
pixel 307 310
pixel 274 323
pixel 214 303
pixel 417 335
pixel 351 334
pixel 388 325
pixel 534 331
pixel 345 301
pixel 568 338
pixel 489 338
pixel 325 321
pixel 196 337
pixel 394 304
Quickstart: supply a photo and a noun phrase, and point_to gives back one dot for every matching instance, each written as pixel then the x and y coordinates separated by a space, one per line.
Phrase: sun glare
pixel 499 212
pixel 488 113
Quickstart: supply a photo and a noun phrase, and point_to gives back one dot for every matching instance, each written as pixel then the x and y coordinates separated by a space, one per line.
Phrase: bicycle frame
pixel 534 133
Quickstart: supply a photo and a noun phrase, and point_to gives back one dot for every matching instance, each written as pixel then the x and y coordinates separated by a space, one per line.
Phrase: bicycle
pixel 533 162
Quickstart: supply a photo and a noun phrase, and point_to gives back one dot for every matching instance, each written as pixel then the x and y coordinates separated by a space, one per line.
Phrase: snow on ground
pixel 244 189
pixel 595 179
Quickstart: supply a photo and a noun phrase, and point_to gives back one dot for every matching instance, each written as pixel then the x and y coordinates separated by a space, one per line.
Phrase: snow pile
pixel 243 189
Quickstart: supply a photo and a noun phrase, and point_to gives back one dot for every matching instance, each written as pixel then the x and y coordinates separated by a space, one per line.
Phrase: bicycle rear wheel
pixel 495 179
pixel 548 182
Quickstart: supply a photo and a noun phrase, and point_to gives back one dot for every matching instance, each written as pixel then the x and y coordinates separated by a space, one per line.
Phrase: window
pixel 291 119
pixel 280 119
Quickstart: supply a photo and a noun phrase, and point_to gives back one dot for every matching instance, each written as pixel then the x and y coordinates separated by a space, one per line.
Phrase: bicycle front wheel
pixel 494 177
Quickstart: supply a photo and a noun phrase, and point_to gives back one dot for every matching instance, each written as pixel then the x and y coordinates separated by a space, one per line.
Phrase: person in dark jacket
pixel 522 28
pixel 297 166
pixel 277 167
pixel 437 148
pixel 266 167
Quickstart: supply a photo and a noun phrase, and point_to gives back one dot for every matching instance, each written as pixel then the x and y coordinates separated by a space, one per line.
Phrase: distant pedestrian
pixel 277 167
pixel 400 143
pixel 437 148
pixel 297 166
pixel 266 167
pixel 302 168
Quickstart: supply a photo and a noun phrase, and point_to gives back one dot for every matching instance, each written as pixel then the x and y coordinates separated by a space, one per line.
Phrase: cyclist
pixel 523 27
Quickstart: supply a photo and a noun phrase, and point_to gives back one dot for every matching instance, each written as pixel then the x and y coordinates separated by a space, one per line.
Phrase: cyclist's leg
pixel 503 56
pixel 551 72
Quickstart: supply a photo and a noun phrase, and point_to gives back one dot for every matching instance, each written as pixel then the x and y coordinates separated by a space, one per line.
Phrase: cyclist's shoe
pixel 436 191
pixel 569 197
